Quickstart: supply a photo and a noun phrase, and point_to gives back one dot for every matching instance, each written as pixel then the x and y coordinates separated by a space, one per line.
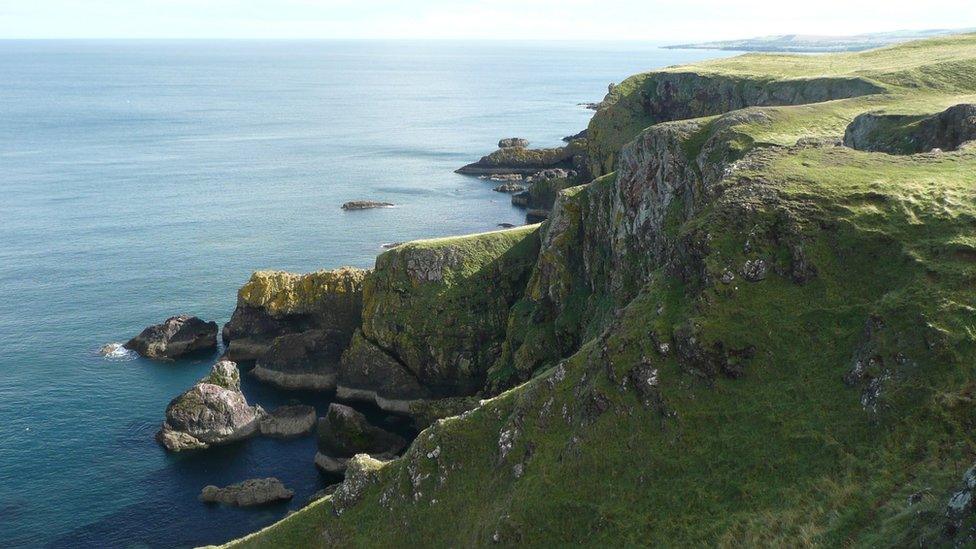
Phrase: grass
pixel 661 401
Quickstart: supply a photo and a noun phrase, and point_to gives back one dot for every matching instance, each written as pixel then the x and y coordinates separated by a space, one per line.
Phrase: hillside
pixel 811 43
pixel 756 325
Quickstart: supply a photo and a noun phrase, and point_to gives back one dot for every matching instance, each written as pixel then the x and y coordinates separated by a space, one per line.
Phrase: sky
pixel 647 20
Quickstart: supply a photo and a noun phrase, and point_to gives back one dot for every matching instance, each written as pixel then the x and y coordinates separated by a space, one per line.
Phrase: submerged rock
pixel 344 432
pixel 288 421
pixel 257 491
pixel 174 337
pixel 213 411
pixel 366 205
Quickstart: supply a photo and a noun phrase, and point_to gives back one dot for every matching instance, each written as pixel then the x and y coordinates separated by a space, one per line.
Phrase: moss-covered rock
pixel 344 432
pixel 520 160
pixel 439 306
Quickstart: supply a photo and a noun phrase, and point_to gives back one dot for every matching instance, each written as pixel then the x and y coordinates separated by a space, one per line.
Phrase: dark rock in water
pixel 391 245
pixel 344 432
pixel 257 491
pixel 365 205
pixel 213 411
pixel 536 216
pixel 509 188
pixel 513 142
pixel 571 138
pixel 522 161
pixel 307 360
pixel 506 225
pixel 521 199
pixel 289 421
pixel 590 105
pixel 176 336
pixel 503 177
pixel 367 373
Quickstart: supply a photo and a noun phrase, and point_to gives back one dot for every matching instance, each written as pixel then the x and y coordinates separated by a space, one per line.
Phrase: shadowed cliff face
pixel 727 341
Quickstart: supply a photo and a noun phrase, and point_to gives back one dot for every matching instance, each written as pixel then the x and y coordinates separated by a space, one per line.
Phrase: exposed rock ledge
pixel 523 161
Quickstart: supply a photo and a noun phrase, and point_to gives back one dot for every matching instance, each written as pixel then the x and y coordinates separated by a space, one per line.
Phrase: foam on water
pixel 115 352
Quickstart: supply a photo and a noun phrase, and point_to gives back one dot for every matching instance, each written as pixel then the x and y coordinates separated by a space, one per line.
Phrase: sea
pixel 143 179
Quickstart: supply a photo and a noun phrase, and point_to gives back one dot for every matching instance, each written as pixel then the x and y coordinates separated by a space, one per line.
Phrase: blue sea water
pixel 141 179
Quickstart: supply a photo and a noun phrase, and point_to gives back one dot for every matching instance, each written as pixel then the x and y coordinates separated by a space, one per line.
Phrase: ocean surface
pixel 142 179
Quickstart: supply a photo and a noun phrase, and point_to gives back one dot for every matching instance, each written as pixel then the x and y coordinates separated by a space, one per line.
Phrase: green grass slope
pixel 735 339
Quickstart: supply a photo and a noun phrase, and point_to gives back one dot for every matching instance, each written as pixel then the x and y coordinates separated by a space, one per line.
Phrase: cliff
pixel 740 333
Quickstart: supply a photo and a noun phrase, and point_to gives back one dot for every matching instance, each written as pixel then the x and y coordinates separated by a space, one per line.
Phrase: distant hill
pixel 811 43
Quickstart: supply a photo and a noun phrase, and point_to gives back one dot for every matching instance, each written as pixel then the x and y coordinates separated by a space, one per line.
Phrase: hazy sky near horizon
pixel 653 20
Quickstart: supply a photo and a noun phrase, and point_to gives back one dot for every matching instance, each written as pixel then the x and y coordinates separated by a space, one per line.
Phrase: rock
pixel 324 492
pixel 213 411
pixel 571 138
pixel 344 432
pixel 513 142
pixel 593 106
pixel 755 270
pixel 257 491
pixel 362 471
pixel 175 337
pixel 110 349
pixel 503 177
pixel 369 374
pixel 288 421
pixel 522 161
pixel 366 205
pixel 506 225
pixel 509 188
pixel 276 303
pixel 521 199
pixel 907 134
pixel 391 245
pixel 304 361
pixel 536 216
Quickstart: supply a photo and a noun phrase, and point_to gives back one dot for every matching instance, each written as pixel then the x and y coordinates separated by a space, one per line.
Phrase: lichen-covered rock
pixel 440 306
pixel 257 491
pixel 213 411
pixel 368 373
pixel 288 421
pixel 175 337
pixel 362 471
pixel 344 432
pixel 315 314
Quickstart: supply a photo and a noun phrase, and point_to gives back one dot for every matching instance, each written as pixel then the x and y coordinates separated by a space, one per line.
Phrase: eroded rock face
pixel 258 491
pixel 288 421
pixel 175 337
pixel 344 432
pixel 367 373
pixel 314 315
pixel 213 411
pixel 905 134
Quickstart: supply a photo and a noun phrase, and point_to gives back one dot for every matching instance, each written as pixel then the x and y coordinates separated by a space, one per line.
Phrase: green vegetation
pixel 741 334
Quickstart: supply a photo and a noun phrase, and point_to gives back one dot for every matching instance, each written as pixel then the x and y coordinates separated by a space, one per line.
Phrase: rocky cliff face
pixel 747 343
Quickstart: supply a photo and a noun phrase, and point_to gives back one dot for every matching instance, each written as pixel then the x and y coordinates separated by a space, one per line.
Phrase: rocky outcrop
pixel 544 186
pixel 912 134
pixel 175 337
pixel 296 326
pixel 213 411
pixel 344 432
pixel 258 491
pixel 513 142
pixel 288 421
pixel 366 205
pixel 440 306
pixel 509 188
pixel 520 160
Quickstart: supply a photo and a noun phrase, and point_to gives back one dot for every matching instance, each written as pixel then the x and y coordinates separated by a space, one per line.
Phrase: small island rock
pixel 257 491
pixel 213 411
pixel 366 205
pixel 176 336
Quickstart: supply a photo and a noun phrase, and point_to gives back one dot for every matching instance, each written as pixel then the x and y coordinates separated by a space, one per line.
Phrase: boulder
pixel 288 421
pixel 509 188
pixel 513 142
pixel 176 336
pixel 344 432
pixel 366 205
pixel 256 491
pixel 213 411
